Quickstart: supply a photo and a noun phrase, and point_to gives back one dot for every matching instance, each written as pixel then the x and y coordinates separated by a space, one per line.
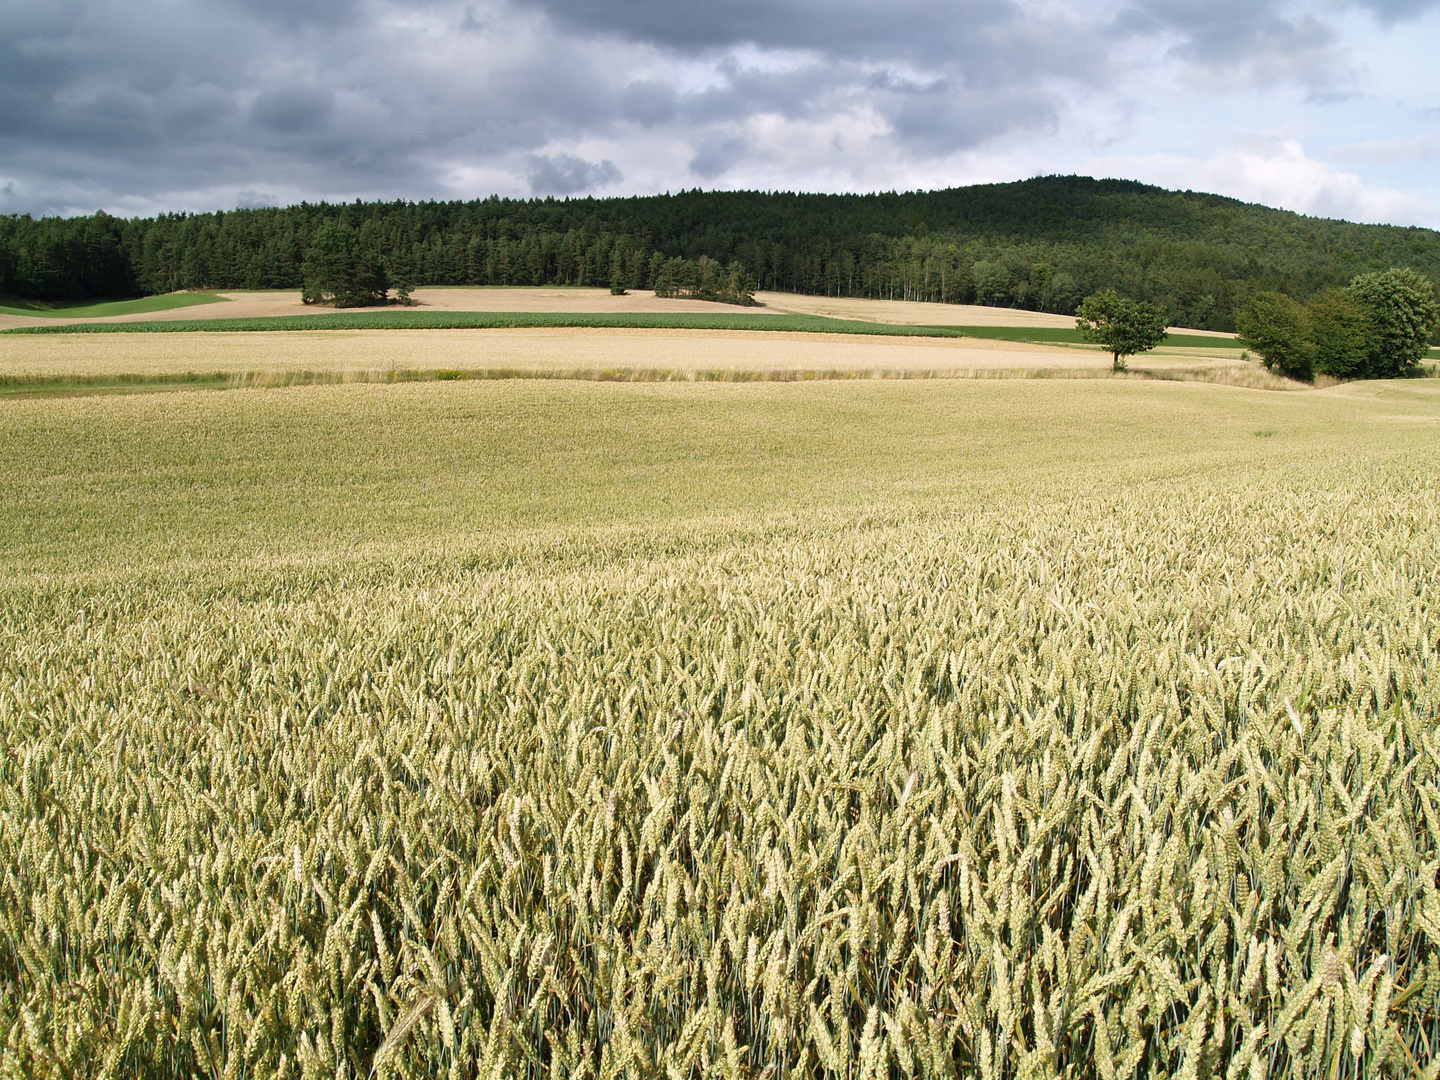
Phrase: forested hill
pixel 1042 244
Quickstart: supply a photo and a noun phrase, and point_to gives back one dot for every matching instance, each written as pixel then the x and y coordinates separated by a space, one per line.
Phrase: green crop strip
pixel 503 320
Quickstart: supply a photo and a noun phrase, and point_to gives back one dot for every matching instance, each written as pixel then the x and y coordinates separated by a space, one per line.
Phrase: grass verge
pixel 18 386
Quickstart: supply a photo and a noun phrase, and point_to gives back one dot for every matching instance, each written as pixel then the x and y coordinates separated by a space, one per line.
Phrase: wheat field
pixel 852 730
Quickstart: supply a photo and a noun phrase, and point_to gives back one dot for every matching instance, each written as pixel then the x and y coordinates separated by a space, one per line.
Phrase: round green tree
pixel 1402 313
pixel 1125 327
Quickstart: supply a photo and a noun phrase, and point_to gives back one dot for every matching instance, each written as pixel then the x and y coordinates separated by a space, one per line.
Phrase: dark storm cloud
pixel 941 117
pixel 648 103
pixel 299 12
pixel 566 174
pixel 98 107
pixel 208 102
pixel 293 108
pixel 1267 37
pixel 1392 11
pixel 716 156
pixel 842 28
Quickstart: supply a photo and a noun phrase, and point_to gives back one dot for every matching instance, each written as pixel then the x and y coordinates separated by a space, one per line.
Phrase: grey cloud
pixel 1393 11
pixel 1390 151
pixel 941 118
pixel 849 28
pixel 475 24
pixel 797 94
pixel 384 98
pixel 293 109
pixel 255 200
pixel 99 108
pixel 946 76
pixel 1260 41
pixel 648 103
pixel 1228 32
pixel 715 157
pixel 338 98
pixel 331 13
pixel 566 174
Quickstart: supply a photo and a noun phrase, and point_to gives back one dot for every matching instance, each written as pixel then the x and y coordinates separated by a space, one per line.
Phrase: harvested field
pixel 924 314
pixel 252 305
pixel 583 353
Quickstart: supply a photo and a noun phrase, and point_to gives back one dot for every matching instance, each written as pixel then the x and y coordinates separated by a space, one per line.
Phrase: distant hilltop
pixel 1040 244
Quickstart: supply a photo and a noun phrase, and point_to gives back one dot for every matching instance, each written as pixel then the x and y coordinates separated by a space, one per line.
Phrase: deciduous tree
pixel 1339 335
pixel 1275 326
pixel 1124 326
pixel 1400 307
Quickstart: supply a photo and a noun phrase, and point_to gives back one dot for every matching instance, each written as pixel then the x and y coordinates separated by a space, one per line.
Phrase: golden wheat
pixel 1119 783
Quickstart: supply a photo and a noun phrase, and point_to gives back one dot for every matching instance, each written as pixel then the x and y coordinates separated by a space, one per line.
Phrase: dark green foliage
pixel 1041 244
pixel 1275 326
pixel 1378 327
pixel 1124 326
pixel 619 278
pixel 71 259
pixel 705 279
pixel 342 269
pixel 1401 314
pixel 1339 335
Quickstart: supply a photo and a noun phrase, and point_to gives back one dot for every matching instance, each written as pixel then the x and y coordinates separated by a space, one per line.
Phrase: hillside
pixel 1040 244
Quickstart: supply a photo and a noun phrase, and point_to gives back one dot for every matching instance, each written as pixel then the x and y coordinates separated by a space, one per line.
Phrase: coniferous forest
pixel 1042 244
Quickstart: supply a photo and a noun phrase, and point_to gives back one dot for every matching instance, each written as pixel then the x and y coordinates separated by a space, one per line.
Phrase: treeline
pixel 1042 244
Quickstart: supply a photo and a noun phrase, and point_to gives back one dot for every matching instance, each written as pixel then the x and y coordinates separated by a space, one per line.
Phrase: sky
pixel 1326 107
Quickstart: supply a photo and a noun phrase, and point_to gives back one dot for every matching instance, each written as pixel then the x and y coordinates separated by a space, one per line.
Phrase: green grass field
pixel 517 728
pixel 90 310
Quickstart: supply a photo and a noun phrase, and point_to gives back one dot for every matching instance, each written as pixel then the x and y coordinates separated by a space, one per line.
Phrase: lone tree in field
pixel 1123 326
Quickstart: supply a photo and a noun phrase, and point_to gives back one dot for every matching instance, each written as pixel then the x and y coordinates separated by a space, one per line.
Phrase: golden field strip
pixel 554 350
pixel 368 355
pixel 265 303
pixel 1045 727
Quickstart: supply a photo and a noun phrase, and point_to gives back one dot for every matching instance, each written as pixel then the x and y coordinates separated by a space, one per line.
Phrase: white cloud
pixel 1278 173
pixel 1389 151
